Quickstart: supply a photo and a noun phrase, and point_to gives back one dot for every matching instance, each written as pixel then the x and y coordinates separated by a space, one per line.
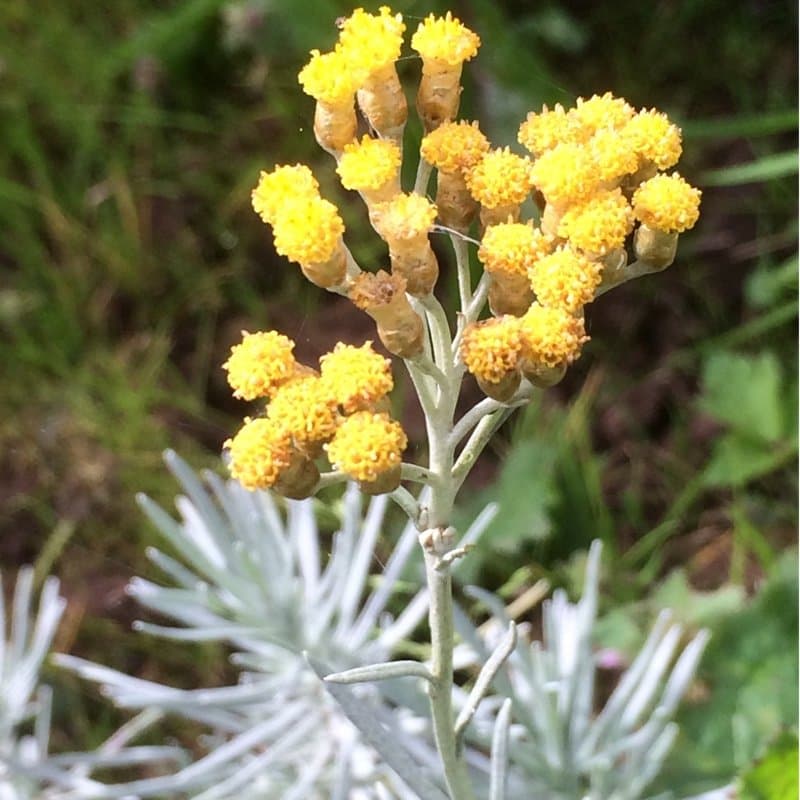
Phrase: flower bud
pixel 655 247
pixel 504 389
pixel 298 479
pixel 383 297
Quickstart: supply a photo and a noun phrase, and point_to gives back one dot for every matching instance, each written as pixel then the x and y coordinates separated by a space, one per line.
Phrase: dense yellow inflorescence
pixel 366 445
pixel 667 203
pixel 330 77
pixel 371 42
pixel 357 378
pixel 550 337
pixel 500 178
pixel 445 39
pixel 513 247
pixel 490 348
pixel 454 146
pixel 260 364
pixel 565 279
pixel 593 175
pixel 305 409
pixel 599 224
pixel 259 452
pixel 369 164
pixel 308 230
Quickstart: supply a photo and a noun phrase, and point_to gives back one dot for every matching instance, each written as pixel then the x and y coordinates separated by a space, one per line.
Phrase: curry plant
pixel 587 203
pixel 587 206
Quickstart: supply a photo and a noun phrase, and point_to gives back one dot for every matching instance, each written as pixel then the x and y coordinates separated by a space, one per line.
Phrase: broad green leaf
pixel 775 775
pixel 525 492
pixel 736 460
pixel 770 283
pixel 747 689
pixel 745 393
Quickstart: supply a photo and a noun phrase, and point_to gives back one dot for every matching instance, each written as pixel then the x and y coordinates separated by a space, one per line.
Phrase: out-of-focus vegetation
pixel 131 136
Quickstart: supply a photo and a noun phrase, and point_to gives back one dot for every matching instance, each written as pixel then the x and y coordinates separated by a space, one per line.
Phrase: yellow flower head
pixel 654 138
pixel 454 146
pixel 260 364
pixel 543 131
pixel 600 111
pixel 445 39
pixel 612 154
pixel 330 77
pixel 490 348
pixel 598 225
pixel 356 377
pixel 372 42
pixel 500 178
pixel 565 279
pixel 284 184
pixel 366 445
pixel 258 453
pixel 304 408
pixel 308 230
pixel 565 174
pixel 369 164
pixel 512 247
pixel 405 216
pixel 550 336
pixel 667 203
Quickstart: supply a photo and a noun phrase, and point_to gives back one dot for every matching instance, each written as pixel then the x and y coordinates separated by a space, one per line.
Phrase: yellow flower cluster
pixel 288 198
pixel 555 226
pixel 308 410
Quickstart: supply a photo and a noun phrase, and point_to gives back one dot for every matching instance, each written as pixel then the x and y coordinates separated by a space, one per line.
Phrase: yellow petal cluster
pixel 543 131
pixel 445 39
pixel 454 146
pixel 550 336
pixel 512 247
pixel 667 203
pixel 598 225
pixel 330 77
pixel 565 279
pixel 258 453
pixel 372 41
pixel 490 348
pixel 366 445
pixel 369 164
pixel 260 364
pixel 357 378
pixel 277 188
pixel 654 138
pixel 565 174
pixel 305 409
pixel 308 230
pixel 500 178
pixel 600 111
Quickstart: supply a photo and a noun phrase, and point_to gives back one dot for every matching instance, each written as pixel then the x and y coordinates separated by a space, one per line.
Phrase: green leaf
pixel 775 775
pixel 525 492
pixel 737 460
pixel 770 283
pixel 748 689
pixel 745 393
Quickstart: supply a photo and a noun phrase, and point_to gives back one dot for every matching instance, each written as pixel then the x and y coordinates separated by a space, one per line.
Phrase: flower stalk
pixel 593 171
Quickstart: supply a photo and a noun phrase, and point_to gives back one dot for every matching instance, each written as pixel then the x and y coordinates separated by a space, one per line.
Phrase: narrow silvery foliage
pixel 27 770
pixel 559 747
pixel 264 585
pixel 23 702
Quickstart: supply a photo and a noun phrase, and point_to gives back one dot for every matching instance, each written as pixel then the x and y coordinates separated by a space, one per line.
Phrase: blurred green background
pixel 132 134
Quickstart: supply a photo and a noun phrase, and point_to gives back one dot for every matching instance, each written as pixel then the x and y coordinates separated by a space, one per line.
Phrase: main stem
pixel 437 541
